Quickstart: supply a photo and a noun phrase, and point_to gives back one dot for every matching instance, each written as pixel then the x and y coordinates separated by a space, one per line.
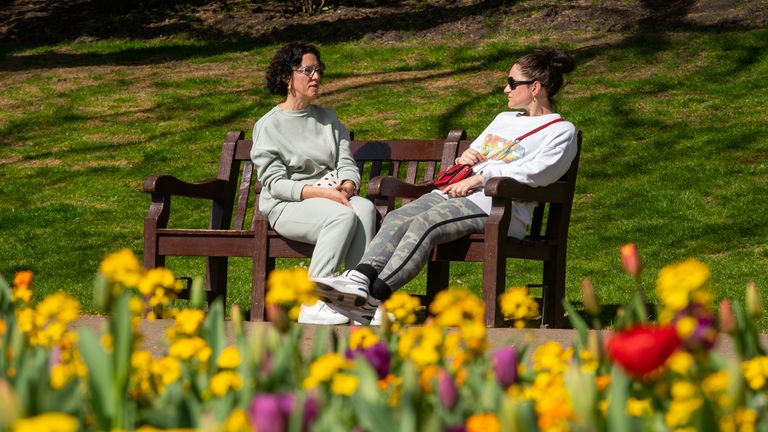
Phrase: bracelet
pixel 354 185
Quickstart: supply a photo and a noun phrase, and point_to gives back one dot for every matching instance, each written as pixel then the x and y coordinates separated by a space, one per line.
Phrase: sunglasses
pixel 513 84
pixel 308 70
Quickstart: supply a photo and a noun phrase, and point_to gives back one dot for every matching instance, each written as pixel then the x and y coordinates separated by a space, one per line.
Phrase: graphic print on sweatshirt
pixel 493 143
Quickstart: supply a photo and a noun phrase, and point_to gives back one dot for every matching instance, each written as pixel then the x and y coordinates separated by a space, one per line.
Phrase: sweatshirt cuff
pixel 296 190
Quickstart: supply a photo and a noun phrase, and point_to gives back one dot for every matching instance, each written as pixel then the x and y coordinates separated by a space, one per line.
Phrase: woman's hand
pixel 333 194
pixel 464 187
pixel 470 157
pixel 349 188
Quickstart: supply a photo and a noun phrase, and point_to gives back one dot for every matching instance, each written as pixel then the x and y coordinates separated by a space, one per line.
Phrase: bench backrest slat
pixel 414 161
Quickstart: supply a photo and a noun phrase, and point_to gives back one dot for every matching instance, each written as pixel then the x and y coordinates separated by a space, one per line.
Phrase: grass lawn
pixel 675 154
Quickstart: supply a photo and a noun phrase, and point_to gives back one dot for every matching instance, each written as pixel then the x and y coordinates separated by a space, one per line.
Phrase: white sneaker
pixel 320 313
pixel 348 295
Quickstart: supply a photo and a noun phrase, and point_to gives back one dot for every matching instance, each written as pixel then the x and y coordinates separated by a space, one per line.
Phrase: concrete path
pixel 154 334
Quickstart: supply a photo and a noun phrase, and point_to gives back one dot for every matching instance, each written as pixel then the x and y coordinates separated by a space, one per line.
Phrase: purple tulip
pixel 705 333
pixel 459 428
pixel 505 366
pixel 272 412
pixel 377 356
pixel 446 390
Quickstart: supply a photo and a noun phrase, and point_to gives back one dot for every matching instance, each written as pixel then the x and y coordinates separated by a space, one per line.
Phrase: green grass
pixel 675 153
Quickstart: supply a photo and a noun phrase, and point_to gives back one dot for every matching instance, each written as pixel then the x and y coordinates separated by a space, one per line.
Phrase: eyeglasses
pixel 513 84
pixel 308 70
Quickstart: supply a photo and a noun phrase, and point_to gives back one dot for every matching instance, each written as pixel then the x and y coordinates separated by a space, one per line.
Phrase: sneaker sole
pixel 358 314
pixel 335 296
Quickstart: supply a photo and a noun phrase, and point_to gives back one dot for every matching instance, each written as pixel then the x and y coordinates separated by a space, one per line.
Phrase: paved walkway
pixel 154 334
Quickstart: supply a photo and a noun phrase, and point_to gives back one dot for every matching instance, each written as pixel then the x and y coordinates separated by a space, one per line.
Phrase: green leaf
pixel 370 407
pixel 577 322
pixel 100 380
pixel 618 420
pixel 214 331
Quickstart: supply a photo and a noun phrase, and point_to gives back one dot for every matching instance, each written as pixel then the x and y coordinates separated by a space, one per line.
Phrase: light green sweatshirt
pixel 292 149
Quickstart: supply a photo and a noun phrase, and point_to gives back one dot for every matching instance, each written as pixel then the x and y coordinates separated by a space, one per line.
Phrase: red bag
pixel 452 174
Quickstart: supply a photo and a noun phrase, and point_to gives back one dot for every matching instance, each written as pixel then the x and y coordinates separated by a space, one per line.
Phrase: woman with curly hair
pixel 309 177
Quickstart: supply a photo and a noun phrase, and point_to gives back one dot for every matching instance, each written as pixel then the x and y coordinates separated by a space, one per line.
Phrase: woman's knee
pixel 343 216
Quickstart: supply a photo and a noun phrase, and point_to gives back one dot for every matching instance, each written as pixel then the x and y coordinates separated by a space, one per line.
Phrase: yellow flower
pixel 421 345
pixel 685 402
pixel 290 287
pixel 487 422
pixel 187 323
pixel 3 327
pixel 681 362
pixel 166 370
pixel 223 381
pixel 474 334
pixel 229 358
pixel 403 307
pixel 47 324
pixel 237 422
pixel 755 372
pixel 454 306
pixel 362 337
pixel 188 348
pixel 638 407
pixel 59 376
pixel 551 357
pixel 715 386
pixel 49 422
pixel 680 282
pixel 324 368
pixel 122 268
pixel 589 363
pixel 516 304
pixel 742 420
pixel 344 384
pixel 685 327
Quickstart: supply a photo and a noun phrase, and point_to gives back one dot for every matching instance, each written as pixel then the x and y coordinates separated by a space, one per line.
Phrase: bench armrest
pixel 392 187
pixel 163 184
pixel 505 187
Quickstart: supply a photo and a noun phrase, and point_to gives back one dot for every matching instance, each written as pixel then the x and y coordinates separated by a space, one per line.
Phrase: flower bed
pixel 438 376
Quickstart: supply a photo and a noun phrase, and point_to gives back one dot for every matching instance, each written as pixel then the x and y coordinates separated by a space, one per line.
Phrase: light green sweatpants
pixel 339 233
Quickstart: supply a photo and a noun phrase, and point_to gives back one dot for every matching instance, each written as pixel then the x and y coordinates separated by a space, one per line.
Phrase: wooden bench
pixel 399 170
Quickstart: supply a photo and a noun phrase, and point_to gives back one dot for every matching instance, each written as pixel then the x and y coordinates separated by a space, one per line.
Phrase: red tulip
pixel 630 259
pixel 643 349
pixel 727 320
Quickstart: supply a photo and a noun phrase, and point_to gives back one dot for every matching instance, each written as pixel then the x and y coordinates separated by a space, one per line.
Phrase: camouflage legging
pixel 402 246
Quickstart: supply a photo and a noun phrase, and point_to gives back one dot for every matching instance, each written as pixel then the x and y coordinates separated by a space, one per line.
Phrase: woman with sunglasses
pixel 530 144
pixel 309 177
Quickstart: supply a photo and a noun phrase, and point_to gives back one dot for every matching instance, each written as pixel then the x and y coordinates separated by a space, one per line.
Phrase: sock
pixel 380 290
pixel 368 271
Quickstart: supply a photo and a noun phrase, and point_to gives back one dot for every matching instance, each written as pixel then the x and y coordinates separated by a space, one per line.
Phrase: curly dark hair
pixel 283 62
pixel 547 66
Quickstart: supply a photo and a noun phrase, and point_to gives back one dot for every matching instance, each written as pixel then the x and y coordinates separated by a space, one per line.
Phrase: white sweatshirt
pixel 538 160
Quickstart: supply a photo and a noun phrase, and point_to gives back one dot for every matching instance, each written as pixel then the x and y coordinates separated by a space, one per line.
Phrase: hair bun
pixel 561 60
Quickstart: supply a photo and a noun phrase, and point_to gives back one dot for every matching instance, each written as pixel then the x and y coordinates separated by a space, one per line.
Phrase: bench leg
pixel 262 267
pixel 494 280
pixel 438 275
pixel 553 293
pixel 216 278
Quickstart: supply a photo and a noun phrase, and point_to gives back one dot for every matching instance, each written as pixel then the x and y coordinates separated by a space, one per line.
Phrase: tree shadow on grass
pixel 73 20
